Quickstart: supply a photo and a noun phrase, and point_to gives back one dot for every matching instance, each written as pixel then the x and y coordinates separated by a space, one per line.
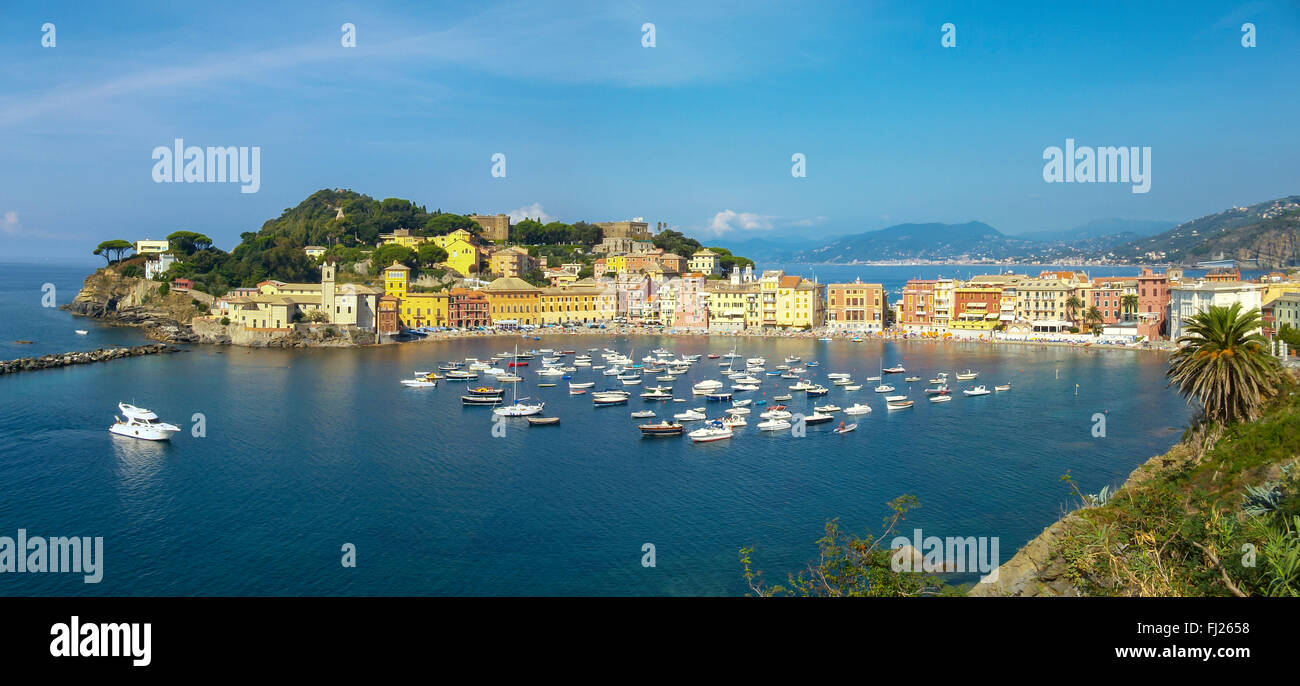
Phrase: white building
pixel 148 246
pixel 157 263
pixel 1186 300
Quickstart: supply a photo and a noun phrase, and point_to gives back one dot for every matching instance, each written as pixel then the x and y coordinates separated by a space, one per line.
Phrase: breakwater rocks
pixel 26 364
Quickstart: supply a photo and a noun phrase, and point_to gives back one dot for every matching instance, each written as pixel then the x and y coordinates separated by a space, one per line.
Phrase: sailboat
pixel 518 408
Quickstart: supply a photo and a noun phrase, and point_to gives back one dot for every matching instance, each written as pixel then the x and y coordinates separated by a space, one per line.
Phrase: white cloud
pixel 533 211
pixel 814 221
pixel 10 224
pixel 730 220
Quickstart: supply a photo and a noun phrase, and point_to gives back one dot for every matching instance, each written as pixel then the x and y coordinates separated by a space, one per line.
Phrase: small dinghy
pixel 542 421
pixel 844 428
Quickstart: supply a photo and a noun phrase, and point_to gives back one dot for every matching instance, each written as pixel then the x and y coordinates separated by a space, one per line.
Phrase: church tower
pixel 327 270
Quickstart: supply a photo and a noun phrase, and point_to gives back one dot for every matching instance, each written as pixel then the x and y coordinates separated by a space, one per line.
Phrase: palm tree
pixel 1093 317
pixel 1223 361
pixel 1130 303
pixel 1073 305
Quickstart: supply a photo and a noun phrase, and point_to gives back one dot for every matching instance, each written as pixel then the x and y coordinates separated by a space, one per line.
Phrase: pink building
pixel 1153 304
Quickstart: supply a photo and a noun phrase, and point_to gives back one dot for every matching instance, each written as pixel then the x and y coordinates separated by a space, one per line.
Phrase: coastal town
pixel 624 280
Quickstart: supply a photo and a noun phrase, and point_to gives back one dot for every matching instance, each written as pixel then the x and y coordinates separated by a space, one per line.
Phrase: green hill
pixel 1267 233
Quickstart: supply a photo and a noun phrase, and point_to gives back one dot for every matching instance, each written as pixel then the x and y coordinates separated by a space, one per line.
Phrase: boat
pixel 542 421
pixel 854 387
pixel 787 396
pixel 80 332
pixel 857 408
pixel 518 408
pixel 1003 387
pixel 485 390
pixel 601 400
pixel 713 356
pixel 967 375
pixel 630 382
pixel 734 420
pixel 546 385
pixel 843 382
pixel 839 375
pixel 884 388
pixel 778 412
pixel 642 414
pixel 718 396
pixel 818 390
pixel 912 379
pixel 817 418
pixel 741 403
pixel 826 408
pixel 895 398
pixel 894 370
pixel 899 404
pixel 774 425
pixel 460 375
pixel 420 381
pixel 141 423
pixel 844 428
pixel 978 390
pixel 480 400
pixel 664 428
pixel 690 416
pixel 577 391
pixel 715 431
pixel 657 395
pixel 736 411
pixel 743 387
pixel 942 378
pixel 801 386
pixel 584 384
pixel 940 398
pixel 941 389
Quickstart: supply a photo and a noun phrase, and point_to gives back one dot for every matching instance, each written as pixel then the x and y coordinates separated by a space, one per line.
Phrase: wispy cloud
pixel 728 221
pixel 533 211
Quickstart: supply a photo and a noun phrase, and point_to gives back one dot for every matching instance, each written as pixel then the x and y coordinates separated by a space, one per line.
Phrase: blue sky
pixel 697 131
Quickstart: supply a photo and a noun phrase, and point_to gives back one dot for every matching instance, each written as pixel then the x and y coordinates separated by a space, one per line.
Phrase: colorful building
pixel 856 306
pixel 467 308
pixel 513 301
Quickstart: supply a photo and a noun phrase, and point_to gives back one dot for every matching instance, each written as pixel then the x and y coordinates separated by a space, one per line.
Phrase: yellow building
pixel 616 264
pixel 424 309
pixel 396 277
pixel 402 237
pixel 791 301
pixel 463 253
pixel 577 303
pixel 512 299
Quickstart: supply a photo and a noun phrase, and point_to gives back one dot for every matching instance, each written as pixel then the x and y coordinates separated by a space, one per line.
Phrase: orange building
pixel 856 306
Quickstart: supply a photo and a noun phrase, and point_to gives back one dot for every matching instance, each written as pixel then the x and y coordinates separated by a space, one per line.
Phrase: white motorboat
pixel 843 429
pixel 715 431
pixel 141 423
pixel 690 416
pixel 857 408
pixel 657 395
pixel 1002 387
pixel 826 409
pixel 774 425
pixel 737 411
pixel 978 390
pixel 803 385
pixel 630 382
pixel 899 404
pixel 937 390
pixel 641 414
pixel 884 388
pixel 744 387
pixel 583 384
pixel 742 403
pixel 940 398
pixel 776 414
pixel 780 398
pixel 734 420
pixel 420 381
pixel 80 332
pixel 895 398
pixel 843 382
pixel 839 375
pixel 854 387
pixel 967 375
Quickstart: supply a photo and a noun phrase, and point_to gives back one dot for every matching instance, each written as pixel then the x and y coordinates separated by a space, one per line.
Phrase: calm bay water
pixel 307 450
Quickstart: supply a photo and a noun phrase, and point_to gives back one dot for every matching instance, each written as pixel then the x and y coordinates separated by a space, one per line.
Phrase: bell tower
pixel 327 272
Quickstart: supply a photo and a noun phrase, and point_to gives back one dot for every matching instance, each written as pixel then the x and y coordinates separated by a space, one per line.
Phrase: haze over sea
pixel 309 449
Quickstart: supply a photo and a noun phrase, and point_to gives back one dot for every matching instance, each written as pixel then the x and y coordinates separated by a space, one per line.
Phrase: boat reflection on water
pixel 139 461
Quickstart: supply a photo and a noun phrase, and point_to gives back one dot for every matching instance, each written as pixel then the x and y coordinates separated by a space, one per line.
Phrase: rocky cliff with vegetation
pixel 1266 233
pixel 109 296
pixel 1219 514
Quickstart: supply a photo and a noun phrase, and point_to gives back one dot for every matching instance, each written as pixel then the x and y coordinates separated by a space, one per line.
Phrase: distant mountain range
pixel 1267 234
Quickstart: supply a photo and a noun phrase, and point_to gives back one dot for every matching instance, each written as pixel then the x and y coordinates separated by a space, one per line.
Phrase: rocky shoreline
pixel 55 360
